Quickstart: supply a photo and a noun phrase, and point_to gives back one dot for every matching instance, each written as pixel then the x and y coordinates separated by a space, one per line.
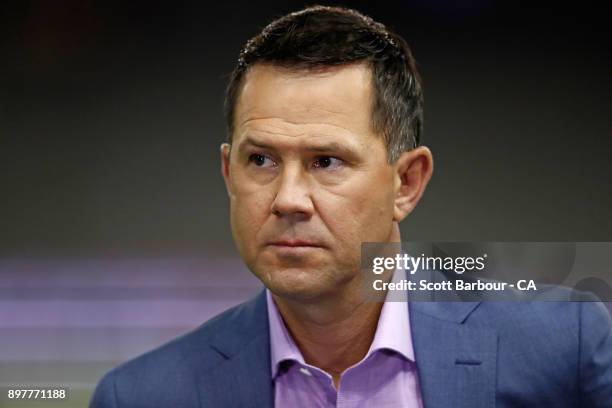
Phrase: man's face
pixel 308 178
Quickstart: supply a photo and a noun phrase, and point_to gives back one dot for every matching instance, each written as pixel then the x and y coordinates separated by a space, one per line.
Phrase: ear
pixel 225 166
pixel 413 171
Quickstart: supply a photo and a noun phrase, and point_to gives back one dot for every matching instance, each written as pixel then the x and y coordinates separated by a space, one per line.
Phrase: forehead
pixel 332 98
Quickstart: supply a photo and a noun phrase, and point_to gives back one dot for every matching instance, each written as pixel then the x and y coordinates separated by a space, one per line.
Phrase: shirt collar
pixel 392 332
pixel 393 329
pixel 282 346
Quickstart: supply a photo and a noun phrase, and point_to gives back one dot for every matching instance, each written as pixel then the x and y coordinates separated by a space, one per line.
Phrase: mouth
pixel 294 243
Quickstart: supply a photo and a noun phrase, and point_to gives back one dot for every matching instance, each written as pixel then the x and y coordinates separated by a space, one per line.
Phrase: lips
pixel 294 243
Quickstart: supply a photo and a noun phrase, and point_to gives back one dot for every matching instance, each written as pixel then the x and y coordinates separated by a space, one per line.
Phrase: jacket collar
pixel 243 377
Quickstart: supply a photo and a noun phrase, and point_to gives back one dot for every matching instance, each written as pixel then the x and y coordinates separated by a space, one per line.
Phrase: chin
pixel 297 283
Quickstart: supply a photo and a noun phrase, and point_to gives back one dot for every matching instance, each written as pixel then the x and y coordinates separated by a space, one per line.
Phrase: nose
pixel 293 197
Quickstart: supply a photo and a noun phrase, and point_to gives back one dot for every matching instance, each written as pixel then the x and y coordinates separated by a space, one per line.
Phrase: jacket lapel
pixel 456 363
pixel 243 378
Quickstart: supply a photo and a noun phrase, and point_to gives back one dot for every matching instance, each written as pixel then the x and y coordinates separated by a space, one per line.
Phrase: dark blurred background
pixel 111 118
pixel 110 122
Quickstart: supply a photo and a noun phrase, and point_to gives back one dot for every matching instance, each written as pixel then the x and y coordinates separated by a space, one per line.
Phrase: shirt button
pixel 305 371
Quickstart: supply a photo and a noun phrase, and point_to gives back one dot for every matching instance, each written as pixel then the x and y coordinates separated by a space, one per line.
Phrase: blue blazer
pixel 476 354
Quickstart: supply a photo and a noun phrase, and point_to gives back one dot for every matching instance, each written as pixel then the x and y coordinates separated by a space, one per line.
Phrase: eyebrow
pixel 322 147
pixel 253 142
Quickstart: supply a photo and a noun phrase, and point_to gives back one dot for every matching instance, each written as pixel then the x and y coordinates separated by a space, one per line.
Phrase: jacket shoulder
pixel 563 346
pixel 167 375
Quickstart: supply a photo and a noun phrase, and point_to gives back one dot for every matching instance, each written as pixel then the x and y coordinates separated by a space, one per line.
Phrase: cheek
pixel 358 212
pixel 249 210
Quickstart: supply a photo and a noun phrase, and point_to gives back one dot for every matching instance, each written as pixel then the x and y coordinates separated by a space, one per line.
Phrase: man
pixel 324 115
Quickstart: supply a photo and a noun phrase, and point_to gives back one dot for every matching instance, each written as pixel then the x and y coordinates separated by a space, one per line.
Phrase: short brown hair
pixel 321 36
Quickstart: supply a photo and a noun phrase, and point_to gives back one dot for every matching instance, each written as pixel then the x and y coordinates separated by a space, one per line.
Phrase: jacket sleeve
pixel 105 395
pixel 595 355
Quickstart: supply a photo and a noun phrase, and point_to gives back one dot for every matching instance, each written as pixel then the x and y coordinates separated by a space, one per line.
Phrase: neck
pixel 331 335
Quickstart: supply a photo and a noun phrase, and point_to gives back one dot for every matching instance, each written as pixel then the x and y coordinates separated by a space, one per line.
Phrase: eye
pixel 261 160
pixel 327 162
